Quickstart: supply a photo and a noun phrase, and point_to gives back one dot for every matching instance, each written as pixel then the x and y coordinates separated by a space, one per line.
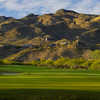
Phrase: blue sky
pixel 20 8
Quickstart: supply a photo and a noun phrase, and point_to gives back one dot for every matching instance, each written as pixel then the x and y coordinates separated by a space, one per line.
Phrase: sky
pixel 21 8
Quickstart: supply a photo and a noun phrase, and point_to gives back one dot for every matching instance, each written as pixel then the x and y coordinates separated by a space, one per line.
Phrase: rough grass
pixel 43 94
pixel 41 83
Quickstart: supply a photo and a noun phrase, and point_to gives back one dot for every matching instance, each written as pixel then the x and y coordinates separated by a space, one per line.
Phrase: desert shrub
pixel 6 61
pixel 87 63
pixel 61 61
pixel 95 54
pixel 35 62
pixel 10 62
pixel 95 65
pixel 76 62
pixel 72 62
pixel 47 62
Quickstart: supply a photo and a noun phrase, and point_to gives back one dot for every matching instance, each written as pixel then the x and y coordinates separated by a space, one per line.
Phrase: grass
pixel 48 82
pixel 35 69
pixel 31 77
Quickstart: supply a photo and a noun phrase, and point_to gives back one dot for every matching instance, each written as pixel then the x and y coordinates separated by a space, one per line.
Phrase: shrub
pixel 61 61
pixel 66 62
pixel 35 62
pixel 95 54
pixel 48 62
pixel 95 65
pixel 6 61
pixel 76 62
pixel 87 63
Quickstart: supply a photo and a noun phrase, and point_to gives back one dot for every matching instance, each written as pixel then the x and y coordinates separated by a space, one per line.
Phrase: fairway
pixel 31 77
pixel 47 81
pixel 27 82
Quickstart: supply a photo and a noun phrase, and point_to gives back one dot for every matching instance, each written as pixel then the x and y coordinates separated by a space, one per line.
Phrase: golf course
pixel 27 82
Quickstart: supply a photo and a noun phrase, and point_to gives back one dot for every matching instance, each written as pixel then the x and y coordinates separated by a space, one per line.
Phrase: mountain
pixel 65 33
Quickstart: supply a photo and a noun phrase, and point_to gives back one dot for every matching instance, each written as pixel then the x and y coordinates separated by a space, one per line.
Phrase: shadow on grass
pixel 45 94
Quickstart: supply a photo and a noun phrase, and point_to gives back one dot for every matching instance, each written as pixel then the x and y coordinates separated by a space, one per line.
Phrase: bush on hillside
pixel 72 63
pixel 95 54
pixel 76 62
pixel 95 65
pixel 87 63
pixel 6 61
pixel 48 62
pixel 62 63
pixel 35 62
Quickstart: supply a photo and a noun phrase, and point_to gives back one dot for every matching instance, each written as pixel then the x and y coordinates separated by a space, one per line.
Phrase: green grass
pixel 45 81
pixel 35 69
pixel 31 77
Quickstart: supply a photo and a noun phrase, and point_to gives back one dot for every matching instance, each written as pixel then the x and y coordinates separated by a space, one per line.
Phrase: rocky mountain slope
pixel 50 36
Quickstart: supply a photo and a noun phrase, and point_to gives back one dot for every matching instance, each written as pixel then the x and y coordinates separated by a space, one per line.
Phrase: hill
pixel 65 33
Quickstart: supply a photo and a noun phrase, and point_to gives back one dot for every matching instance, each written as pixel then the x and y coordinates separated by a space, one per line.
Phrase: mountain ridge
pixel 65 33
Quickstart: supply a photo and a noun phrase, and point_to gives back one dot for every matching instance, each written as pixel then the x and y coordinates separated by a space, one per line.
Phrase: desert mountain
pixel 65 33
